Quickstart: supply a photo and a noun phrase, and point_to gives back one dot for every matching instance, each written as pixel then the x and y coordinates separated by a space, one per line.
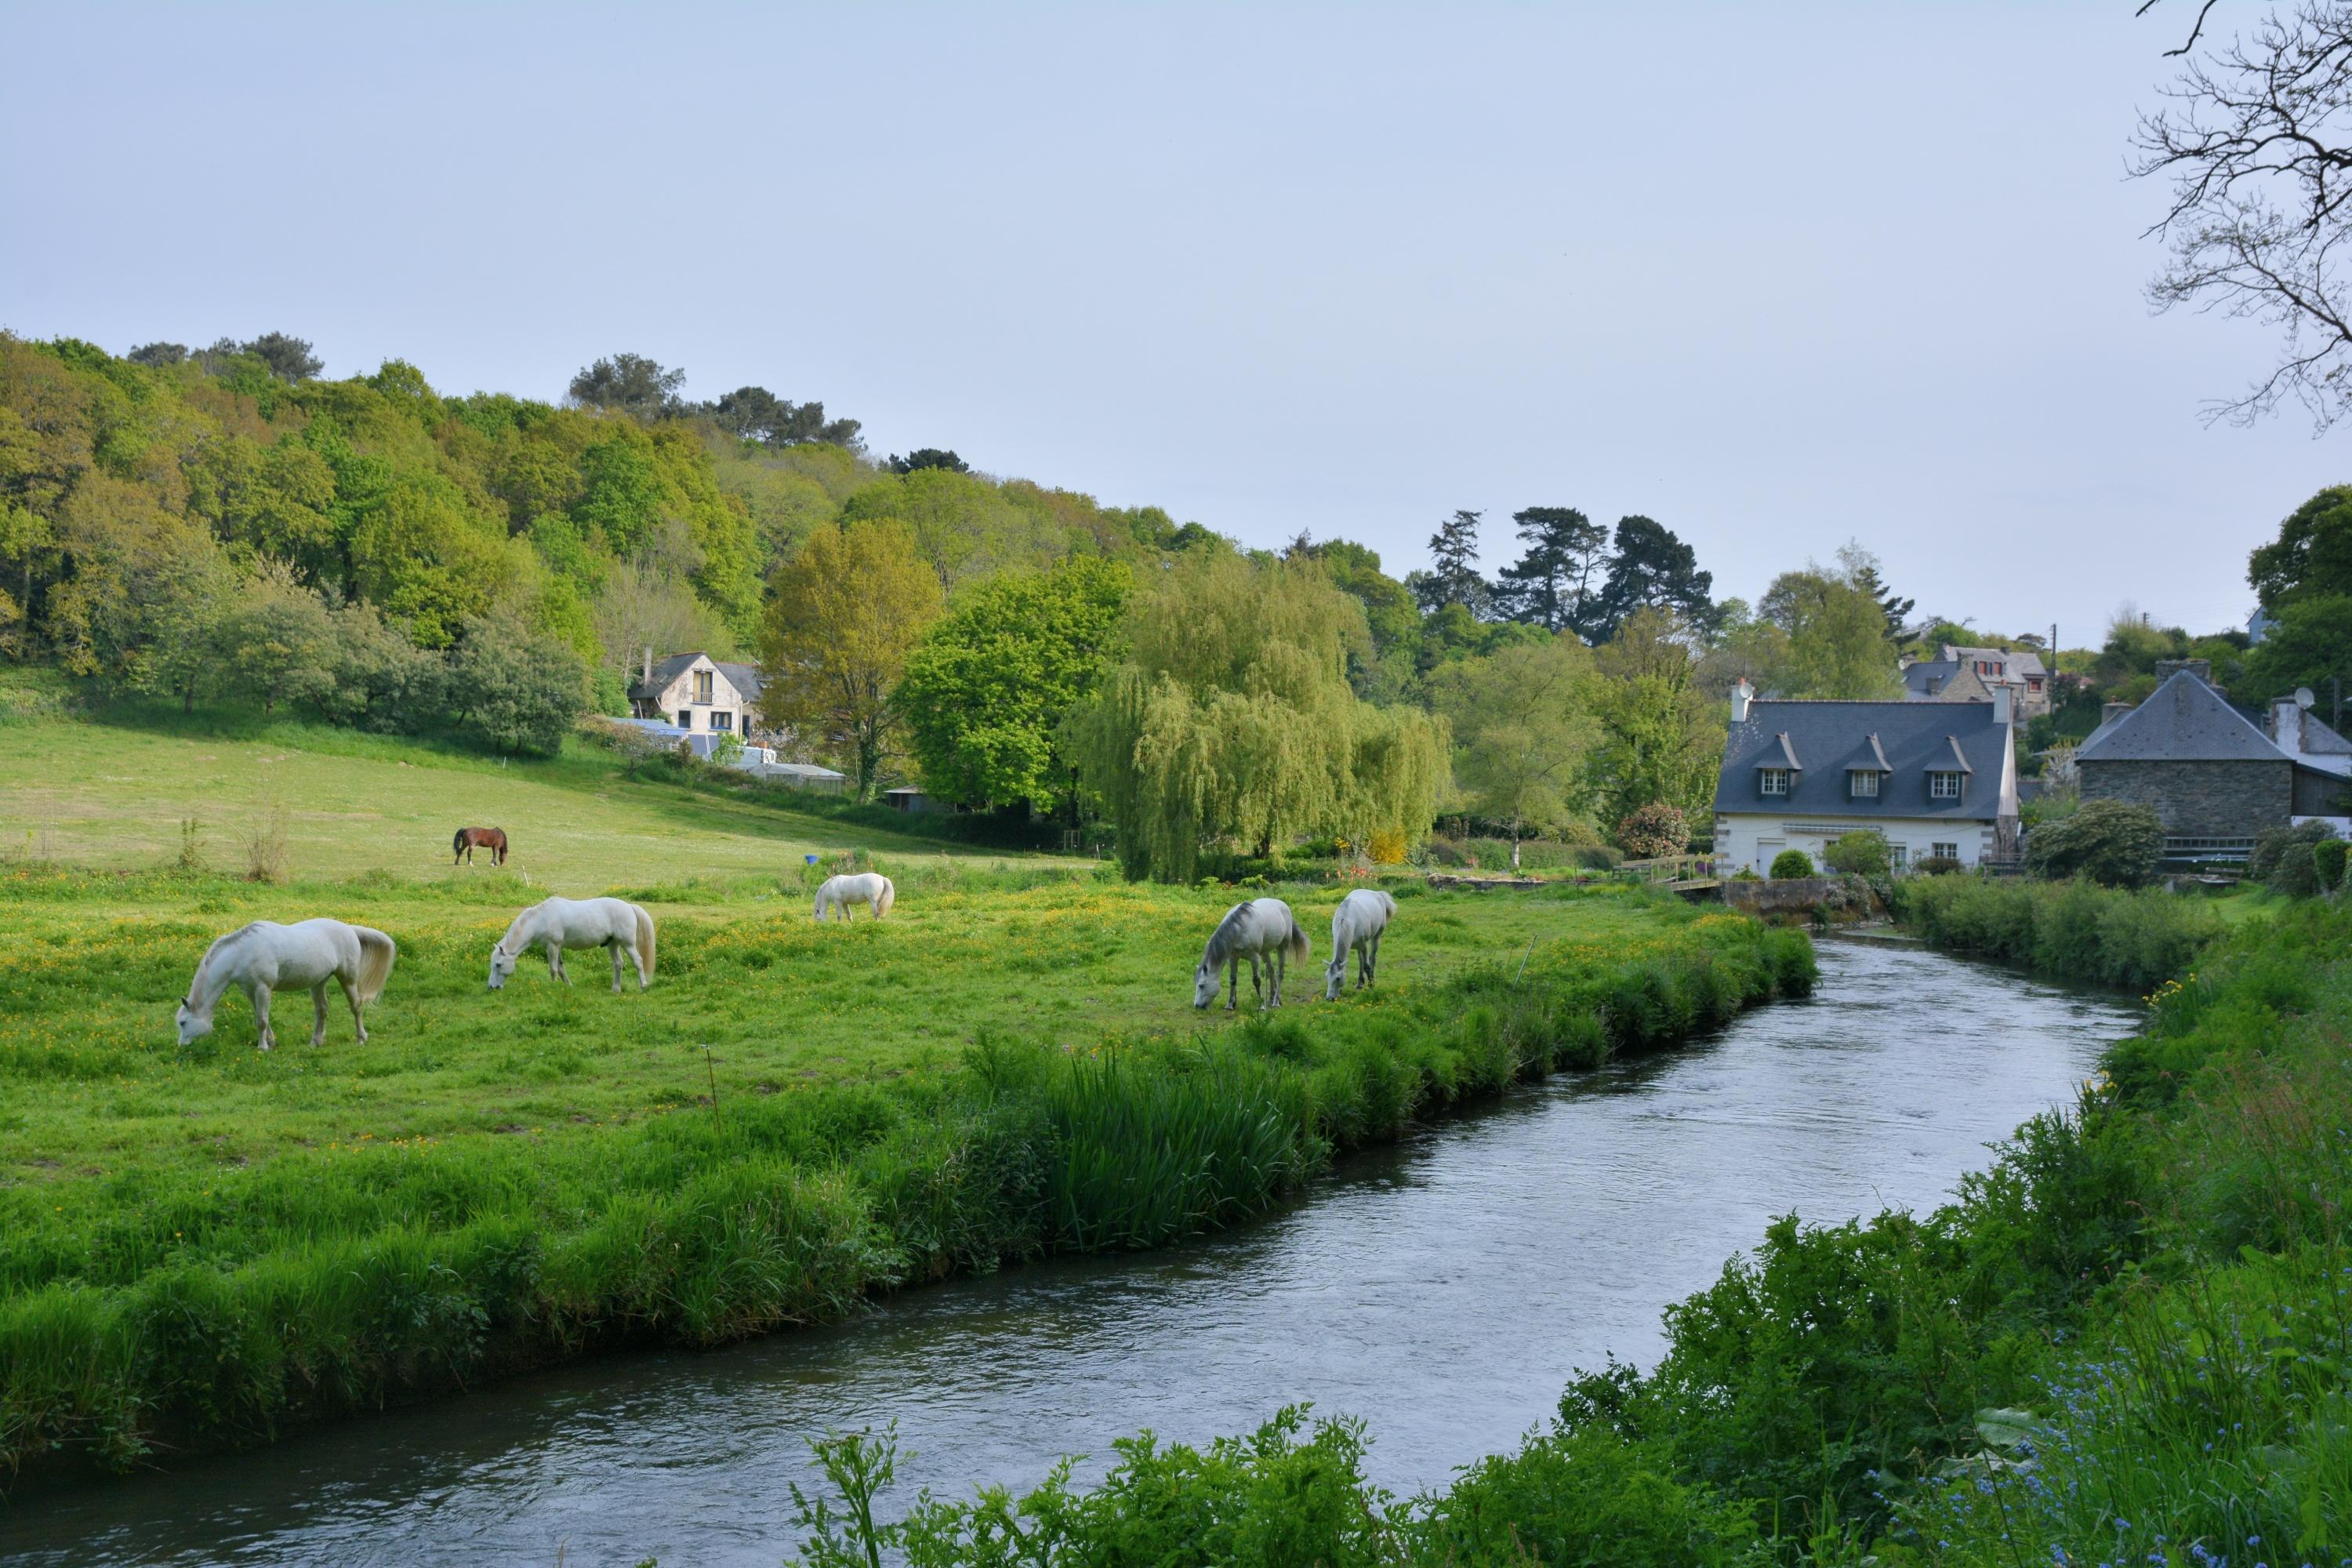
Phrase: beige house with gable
pixel 696 692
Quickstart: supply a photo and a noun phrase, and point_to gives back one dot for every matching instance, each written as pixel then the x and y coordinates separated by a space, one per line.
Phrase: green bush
pixel 2327 861
pixel 2074 930
pixel 1652 832
pixel 1934 865
pixel 2282 859
pixel 1792 863
pixel 2113 844
pixel 1860 854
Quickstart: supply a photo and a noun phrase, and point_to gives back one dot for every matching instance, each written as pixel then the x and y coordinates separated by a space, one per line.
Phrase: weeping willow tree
pixel 1231 722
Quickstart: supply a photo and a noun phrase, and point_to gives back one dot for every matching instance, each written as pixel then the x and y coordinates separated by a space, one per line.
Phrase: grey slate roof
pixel 2022 661
pixel 2185 721
pixel 1928 677
pixel 1828 738
pixel 745 677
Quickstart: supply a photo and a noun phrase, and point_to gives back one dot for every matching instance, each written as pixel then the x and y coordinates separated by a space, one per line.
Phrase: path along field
pixel 200 1246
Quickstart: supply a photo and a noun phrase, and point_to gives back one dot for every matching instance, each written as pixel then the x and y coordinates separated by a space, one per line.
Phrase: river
pixel 1444 1289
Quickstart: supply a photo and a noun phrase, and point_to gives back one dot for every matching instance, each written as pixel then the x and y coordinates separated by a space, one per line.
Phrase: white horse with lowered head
pixel 558 924
pixel 266 956
pixel 1356 927
pixel 1262 928
pixel 868 888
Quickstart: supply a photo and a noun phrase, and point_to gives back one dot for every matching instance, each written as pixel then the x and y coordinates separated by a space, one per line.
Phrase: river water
pixel 1444 1289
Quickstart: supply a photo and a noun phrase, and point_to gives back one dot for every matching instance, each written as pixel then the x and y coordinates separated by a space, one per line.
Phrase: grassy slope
pixel 115 795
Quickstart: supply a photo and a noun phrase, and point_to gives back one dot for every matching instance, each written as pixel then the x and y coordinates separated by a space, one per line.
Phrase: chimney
pixel 2001 704
pixel 2287 723
pixel 2111 711
pixel 649 664
pixel 2202 668
pixel 1742 694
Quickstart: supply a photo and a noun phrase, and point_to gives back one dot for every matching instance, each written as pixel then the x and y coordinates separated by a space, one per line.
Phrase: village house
pixel 1972 674
pixel 2216 775
pixel 1938 779
pixel 699 694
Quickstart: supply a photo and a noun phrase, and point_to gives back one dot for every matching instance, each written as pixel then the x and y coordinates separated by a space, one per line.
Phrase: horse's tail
pixel 498 845
pixel 376 953
pixel 458 845
pixel 1295 947
pixel 886 898
pixel 644 938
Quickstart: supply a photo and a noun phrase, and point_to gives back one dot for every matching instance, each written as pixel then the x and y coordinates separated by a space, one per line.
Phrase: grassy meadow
pixel 199 1247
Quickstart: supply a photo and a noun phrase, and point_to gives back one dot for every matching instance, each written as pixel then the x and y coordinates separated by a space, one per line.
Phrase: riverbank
pixel 162 1299
pixel 2127 1342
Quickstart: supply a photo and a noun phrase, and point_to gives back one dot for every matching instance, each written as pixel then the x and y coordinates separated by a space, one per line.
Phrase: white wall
pixel 1751 839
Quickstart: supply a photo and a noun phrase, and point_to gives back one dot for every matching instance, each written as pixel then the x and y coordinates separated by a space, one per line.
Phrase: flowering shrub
pixel 1652 832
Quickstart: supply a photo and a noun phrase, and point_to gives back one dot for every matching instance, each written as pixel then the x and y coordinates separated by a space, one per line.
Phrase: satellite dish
pixel 2302 697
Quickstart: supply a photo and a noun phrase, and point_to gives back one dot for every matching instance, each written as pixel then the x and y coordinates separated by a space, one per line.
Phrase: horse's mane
pixel 1221 940
pixel 206 963
pixel 516 924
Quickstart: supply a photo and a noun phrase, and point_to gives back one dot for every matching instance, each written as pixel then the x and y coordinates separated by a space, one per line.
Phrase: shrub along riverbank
pixel 176 1303
pixel 2127 1342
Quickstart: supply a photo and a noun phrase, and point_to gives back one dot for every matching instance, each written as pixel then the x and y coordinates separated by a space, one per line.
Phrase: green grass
pixel 200 1246
pixel 115 795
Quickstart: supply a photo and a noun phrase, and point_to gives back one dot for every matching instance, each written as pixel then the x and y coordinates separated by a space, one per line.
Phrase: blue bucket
pixel 810 859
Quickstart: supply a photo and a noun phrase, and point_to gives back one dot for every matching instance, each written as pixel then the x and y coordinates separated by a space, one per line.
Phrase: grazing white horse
pixel 266 956
pixel 1356 927
pixel 1262 928
pixel 870 887
pixel 558 923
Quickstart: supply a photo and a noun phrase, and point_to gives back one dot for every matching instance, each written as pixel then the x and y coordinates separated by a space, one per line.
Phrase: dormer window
pixel 1943 786
pixel 1863 783
pixel 1775 780
pixel 702 686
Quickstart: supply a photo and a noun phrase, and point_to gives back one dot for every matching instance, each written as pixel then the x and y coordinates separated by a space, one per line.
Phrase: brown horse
pixel 491 839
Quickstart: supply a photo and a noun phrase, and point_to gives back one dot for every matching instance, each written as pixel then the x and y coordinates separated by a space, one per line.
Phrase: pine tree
pixel 1555 583
pixel 1453 576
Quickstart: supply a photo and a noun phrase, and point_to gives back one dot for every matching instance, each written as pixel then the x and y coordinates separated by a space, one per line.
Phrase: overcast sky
pixel 1776 276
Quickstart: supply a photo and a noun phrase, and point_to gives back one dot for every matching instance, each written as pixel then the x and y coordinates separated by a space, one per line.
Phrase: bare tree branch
pixel 2255 139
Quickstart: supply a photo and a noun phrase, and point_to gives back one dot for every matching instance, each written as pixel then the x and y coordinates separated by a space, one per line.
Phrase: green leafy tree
pixel 1453 576
pixel 2311 557
pixel 630 384
pixel 2310 645
pixel 923 457
pixel 1231 722
pixel 846 613
pixel 289 358
pixel 159 356
pixel 755 413
pixel 514 689
pixel 987 689
pixel 1554 584
pixel 966 527
pixel 189 656
pixel 1651 569
pixel 1388 669
pixel 1524 730
pixel 277 639
pixel 2110 842
pixel 1661 733
pixel 1832 642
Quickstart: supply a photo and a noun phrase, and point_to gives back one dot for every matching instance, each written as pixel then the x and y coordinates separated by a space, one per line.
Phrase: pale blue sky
pixel 1776 276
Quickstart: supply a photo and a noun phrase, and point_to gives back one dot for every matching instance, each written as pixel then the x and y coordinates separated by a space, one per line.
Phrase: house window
pixel 1935 684
pixel 722 720
pixel 1988 666
pixel 702 687
pixel 685 720
pixel 1943 786
pixel 1775 780
pixel 1865 782
pixel 2033 683
pixel 1902 852
pixel 1945 851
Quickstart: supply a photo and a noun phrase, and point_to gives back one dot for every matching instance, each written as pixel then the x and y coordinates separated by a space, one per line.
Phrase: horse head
pixel 193 1025
pixel 1204 984
pixel 501 965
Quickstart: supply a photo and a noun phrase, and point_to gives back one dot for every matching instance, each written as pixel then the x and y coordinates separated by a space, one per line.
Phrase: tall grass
pixel 207 1309
pixel 2074 930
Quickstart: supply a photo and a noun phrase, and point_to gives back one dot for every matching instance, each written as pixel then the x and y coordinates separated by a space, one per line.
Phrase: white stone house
pixel 699 694
pixel 1938 779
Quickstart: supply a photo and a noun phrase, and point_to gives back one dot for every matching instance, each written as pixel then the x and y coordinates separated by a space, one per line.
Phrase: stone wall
pixel 1796 895
pixel 2199 799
